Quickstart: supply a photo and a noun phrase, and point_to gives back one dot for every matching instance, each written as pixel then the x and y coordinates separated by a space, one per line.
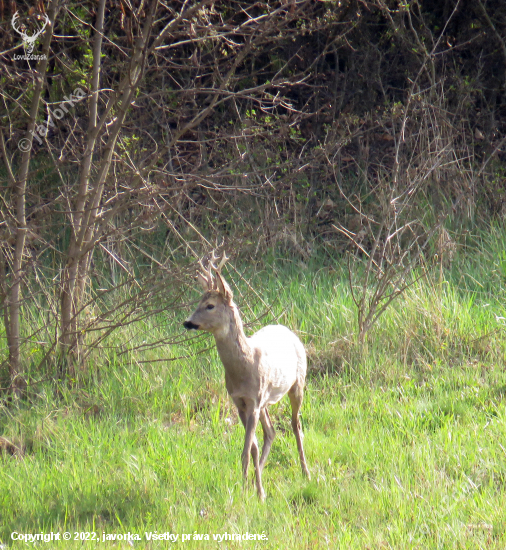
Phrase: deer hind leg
pixel 269 435
pixel 296 395
pixel 250 422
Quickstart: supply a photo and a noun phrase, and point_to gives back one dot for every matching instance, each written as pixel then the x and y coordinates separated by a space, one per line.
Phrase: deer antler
pixel 206 275
pixel 223 261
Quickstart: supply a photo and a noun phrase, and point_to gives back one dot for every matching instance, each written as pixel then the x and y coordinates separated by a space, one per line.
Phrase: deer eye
pixel 210 306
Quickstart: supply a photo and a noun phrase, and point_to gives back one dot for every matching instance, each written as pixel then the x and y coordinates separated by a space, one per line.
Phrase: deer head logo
pixel 28 41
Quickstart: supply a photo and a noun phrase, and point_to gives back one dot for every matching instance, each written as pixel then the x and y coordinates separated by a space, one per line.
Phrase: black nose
pixel 189 325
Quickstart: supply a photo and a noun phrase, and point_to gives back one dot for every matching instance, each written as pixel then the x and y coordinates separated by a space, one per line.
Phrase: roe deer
pixel 259 370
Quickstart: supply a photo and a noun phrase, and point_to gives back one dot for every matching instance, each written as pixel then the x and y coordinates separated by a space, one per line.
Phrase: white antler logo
pixel 28 41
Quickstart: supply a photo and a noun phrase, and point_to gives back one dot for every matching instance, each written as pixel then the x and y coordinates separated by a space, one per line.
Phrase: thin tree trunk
pixel 86 212
pixel 69 297
pixel 13 294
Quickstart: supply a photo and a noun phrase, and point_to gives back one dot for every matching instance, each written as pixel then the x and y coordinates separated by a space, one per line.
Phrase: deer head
pixel 213 311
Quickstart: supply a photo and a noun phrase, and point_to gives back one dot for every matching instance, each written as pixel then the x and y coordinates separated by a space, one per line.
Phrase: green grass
pixel 405 440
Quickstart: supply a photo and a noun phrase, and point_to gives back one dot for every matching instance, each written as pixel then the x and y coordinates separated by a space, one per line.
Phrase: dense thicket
pixel 296 123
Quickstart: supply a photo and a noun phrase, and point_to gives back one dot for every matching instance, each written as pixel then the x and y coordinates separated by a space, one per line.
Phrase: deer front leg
pixel 269 435
pixel 251 446
pixel 242 416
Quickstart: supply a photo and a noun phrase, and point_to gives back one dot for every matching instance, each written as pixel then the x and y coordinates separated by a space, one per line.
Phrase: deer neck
pixel 232 343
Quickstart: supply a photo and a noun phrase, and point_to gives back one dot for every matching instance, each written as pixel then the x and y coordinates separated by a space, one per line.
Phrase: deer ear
pixel 223 287
pixel 203 282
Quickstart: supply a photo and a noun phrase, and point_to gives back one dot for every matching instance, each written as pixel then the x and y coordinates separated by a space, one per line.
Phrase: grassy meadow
pixel 405 439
